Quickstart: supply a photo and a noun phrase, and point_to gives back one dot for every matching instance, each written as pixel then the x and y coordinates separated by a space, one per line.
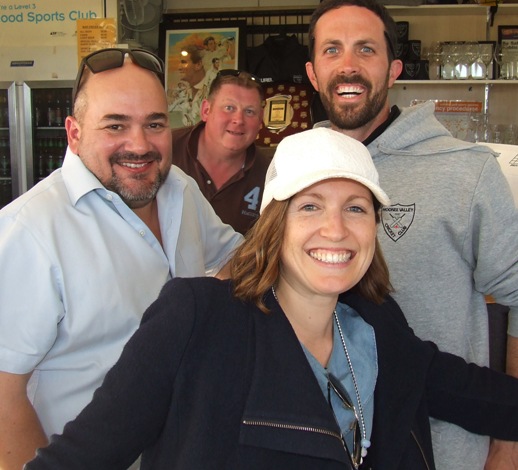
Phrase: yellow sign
pixel 95 34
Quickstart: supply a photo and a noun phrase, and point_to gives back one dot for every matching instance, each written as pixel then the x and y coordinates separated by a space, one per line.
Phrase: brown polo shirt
pixel 238 201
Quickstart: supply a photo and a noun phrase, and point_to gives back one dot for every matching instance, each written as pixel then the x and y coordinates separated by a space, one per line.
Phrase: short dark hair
pixel 379 10
pixel 239 78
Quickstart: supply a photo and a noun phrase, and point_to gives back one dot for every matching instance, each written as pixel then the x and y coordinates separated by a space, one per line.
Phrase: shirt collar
pixel 78 179
pixel 394 113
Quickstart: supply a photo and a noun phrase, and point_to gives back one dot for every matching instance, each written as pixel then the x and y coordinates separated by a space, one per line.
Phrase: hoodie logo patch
pixel 397 219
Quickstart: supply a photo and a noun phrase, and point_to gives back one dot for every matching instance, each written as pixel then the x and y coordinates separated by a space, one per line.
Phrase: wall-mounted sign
pixel 45 22
pixel 93 35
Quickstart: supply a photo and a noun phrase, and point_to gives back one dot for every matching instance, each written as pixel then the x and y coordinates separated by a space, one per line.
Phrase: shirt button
pixel 109 197
pixel 142 233
pixel 209 182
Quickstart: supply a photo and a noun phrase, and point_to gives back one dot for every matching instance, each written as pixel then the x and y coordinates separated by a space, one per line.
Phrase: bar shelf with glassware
pixel 467 24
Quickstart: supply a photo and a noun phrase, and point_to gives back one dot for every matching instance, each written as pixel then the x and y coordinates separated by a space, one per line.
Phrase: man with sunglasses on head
pixel 85 251
pixel 449 236
pixel 220 151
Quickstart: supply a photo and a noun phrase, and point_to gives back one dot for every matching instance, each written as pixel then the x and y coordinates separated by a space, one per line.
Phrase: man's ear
pixel 395 70
pixel 73 133
pixel 205 110
pixel 311 75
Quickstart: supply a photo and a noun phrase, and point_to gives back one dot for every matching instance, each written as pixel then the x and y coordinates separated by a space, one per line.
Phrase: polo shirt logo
pixel 252 198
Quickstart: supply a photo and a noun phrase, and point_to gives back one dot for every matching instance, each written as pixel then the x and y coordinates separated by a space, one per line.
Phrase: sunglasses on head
pixel 236 73
pixel 108 59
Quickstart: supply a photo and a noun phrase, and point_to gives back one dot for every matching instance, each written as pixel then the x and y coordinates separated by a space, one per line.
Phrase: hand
pixel 503 455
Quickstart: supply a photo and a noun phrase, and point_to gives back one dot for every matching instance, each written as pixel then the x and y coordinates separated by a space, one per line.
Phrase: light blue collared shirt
pixel 361 344
pixel 79 268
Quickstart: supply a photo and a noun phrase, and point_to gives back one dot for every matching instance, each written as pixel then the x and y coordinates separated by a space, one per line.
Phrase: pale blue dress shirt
pixel 360 341
pixel 79 268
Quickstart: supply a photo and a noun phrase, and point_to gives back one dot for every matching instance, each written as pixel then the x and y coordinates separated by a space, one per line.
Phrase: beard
pixel 354 116
pixel 136 196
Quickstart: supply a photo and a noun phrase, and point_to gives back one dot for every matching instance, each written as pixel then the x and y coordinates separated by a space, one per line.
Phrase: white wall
pixel 38 38
pixel 112 9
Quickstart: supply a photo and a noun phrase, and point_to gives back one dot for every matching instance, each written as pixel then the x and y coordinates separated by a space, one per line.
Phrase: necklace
pixel 365 443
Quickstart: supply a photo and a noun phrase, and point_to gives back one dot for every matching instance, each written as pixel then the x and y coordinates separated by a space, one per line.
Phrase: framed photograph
pixel 193 56
pixel 507 53
pixel 508 35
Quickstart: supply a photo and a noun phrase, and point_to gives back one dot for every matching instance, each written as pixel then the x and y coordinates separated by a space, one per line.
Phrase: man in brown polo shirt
pixel 220 153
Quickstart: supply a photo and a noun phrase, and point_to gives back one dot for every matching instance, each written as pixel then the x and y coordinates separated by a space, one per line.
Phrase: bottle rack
pixel 5 152
pixel 50 108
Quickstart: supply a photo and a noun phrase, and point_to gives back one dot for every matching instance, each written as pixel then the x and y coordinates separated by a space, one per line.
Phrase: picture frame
pixel 193 53
pixel 508 35
pixel 507 51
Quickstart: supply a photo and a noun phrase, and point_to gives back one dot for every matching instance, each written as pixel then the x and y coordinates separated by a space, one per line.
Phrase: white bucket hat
pixel 309 157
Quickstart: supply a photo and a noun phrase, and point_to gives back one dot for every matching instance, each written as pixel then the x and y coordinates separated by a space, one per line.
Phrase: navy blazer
pixel 209 382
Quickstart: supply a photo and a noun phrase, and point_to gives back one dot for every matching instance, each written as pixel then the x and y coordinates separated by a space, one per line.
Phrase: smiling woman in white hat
pixel 301 361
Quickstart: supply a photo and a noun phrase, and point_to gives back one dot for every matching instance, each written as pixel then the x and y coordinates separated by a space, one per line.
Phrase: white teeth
pixel 349 89
pixel 134 165
pixel 328 257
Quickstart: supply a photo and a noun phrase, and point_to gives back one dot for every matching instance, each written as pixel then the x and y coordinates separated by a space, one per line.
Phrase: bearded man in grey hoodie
pixel 450 235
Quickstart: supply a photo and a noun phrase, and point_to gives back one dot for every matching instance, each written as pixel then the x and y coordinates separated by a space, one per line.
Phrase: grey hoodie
pixel 449 238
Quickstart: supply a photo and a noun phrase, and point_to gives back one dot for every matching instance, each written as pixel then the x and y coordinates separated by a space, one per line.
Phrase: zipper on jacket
pixel 420 449
pixel 297 427
pixel 293 427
